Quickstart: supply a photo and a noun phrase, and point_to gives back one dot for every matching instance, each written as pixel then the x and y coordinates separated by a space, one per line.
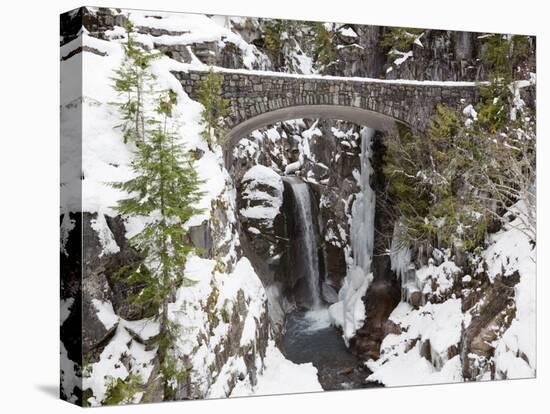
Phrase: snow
pixel 209 169
pixel 110 365
pixel 199 338
pixel 417 40
pixel 65 310
pixel 403 56
pixel 264 175
pixel 437 325
pixel 443 276
pixel 515 89
pixel 234 368
pixel 123 346
pixel 253 180
pixel 105 313
pixel 105 157
pixel 70 375
pixel 198 28
pixel 511 251
pixel 249 330
pixel 280 376
pixel 293 167
pixel 411 368
pixel 470 111
pixel 305 63
pixel 145 328
pixel 105 235
pixel 67 225
pixel 348 32
pixel 185 67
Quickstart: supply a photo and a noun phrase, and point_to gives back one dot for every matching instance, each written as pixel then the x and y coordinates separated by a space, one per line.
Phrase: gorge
pixel 325 252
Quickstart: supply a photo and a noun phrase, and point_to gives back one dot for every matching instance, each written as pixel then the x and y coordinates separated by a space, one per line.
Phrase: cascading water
pixel 310 336
pixel 304 216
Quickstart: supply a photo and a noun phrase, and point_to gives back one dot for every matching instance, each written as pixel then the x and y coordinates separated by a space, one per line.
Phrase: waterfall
pixel 304 217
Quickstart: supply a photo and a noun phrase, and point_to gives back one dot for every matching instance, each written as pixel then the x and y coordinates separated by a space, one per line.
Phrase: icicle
pixel 349 312
pixel 362 225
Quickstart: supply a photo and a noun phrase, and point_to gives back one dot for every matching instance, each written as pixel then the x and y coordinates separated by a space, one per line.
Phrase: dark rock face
pixel 381 299
pixel 100 283
pixel 71 291
pixel 96 22
pixel 176 52
pixel 440 55
pixel 444 56
pixel 201 238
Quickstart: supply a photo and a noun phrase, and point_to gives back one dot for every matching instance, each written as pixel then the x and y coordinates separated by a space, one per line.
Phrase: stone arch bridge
pixel 259 98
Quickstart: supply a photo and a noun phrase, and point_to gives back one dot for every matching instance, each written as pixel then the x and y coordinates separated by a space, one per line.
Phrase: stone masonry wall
pixel 255 94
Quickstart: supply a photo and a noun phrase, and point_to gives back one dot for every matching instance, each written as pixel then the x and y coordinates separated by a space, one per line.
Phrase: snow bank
pixel 435 326
pixel 123 346
pixel 511 251
pixel 411 368
pixel 280 376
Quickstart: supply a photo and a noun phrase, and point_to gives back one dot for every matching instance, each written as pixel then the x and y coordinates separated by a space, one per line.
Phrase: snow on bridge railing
pixel 189 68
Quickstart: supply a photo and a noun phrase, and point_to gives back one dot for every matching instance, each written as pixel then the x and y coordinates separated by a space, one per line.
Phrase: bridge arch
pixel 356 115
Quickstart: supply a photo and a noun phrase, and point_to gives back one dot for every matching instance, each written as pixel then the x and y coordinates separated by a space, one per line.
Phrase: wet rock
pixel 380 300
pixel 177 52
pixel 201 238
pixel 392 328
pixel 416 299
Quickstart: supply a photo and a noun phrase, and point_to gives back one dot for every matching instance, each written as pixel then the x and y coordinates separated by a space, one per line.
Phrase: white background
pixel 29 172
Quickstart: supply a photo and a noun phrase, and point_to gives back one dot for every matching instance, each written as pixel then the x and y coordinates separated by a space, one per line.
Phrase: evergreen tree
pixel 324 47
pixel 165 190
pixel 284 41
pixel 131 80
pixel 214 107
pixel 503 55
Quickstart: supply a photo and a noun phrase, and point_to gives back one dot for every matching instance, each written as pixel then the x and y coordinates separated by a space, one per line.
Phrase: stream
pixel 309 337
